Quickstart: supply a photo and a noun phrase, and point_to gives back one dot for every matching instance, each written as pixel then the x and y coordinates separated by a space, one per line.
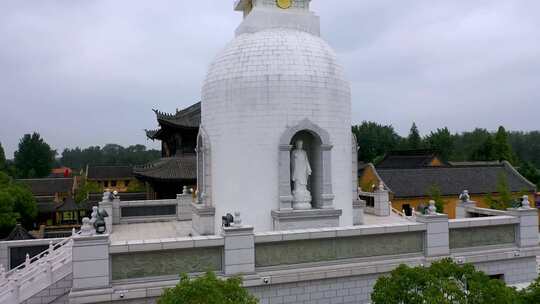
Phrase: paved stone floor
pixel 379 220
pixel 151 231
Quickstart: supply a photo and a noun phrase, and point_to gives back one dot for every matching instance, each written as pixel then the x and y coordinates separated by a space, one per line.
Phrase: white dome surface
pixel 261 84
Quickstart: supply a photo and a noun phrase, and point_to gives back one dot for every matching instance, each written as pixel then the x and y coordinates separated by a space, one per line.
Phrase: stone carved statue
pixel 465 197
pixel 432 210
pixel 301 170
pixel 525 204
pixel 87 229
pixel 99 220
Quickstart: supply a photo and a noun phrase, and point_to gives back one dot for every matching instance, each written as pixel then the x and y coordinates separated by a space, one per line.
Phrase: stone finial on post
pixel 27 261
pixel 104 214
pixel 107 196
pixel 87 229
pixel 237 220
pixel 432 209
pixel 464 203
pixel 525 204
pixel 50 251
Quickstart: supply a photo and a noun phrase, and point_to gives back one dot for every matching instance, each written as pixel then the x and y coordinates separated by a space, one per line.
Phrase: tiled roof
pixel 189 117
pixel 110 172
pixel 69 205
pixel 19 233
pixel 407 159
pixel 48 186
pixel 182 167
pixel 453 180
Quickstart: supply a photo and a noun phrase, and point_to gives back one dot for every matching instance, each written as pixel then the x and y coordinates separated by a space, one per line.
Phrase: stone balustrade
pixel 280 258
pixel 126 212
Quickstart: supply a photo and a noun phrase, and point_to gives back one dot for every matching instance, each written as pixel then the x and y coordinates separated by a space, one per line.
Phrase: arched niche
pixel 319 148
pixel 204 180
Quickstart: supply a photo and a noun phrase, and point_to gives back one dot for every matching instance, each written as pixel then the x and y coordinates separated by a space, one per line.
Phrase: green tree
pixel 207 289
pixel 435 194
pixel 442 142
pixel 414 141
pixel 35 158
pixel 86 187
pixel 529 171
pixel 374 140
pixel 486 151
pixel 503 199
pixel 501 148
pixel 443 282
pixel 109 155
pixel 531 294
pixel 17 204
pixel 467 143
pixel 3 162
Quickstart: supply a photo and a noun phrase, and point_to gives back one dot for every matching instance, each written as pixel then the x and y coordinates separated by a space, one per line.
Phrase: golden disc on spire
pixel 284 4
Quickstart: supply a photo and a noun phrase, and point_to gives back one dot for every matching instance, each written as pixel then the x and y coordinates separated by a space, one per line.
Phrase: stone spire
pixel 265 14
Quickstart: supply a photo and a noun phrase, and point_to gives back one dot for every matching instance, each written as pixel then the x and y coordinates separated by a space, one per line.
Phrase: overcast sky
pixel 89 72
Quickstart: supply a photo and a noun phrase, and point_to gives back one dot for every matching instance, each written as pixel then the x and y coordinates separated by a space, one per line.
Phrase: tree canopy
pixel 374 140
pixel 207 289
pixel 109 155
pixel 443 282
pixel 3 164
pixel 522 149
pixel 17 204
pixel 34 158
pixel 442 142
pixel 414 141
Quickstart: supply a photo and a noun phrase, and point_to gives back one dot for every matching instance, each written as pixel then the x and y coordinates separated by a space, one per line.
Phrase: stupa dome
pixel 295 54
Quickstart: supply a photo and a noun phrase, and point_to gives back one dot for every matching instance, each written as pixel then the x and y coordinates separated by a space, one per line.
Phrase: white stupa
pixel 275 83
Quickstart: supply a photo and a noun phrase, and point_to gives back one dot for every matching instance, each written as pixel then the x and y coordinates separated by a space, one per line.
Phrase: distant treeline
pixel 522 149
pixel 109 155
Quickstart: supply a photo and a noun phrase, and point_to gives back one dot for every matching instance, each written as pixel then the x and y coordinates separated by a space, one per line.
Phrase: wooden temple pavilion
pixel 178 166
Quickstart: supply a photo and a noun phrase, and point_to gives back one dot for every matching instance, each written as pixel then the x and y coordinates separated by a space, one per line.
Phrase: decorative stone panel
pixel 482 236
pixel 312 251
pixel 166 262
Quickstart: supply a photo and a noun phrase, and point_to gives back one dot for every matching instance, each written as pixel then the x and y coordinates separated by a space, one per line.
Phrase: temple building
pixel 177 168
pixel 414 177
pixel 114 178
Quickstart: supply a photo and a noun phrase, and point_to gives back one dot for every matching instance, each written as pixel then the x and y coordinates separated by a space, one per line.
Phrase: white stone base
pixel 358 212
pixel 305 219
pixel 202 220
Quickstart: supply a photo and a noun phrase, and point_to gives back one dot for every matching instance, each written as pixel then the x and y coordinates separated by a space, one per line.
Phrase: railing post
pixel 51 250
pixel 15 287
pixel 358 211
pixel 437 239
pixel 527 234
pixel 382 201
pixel 239 255
pixel 183 204
pixel 91 266
pixel 49 269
